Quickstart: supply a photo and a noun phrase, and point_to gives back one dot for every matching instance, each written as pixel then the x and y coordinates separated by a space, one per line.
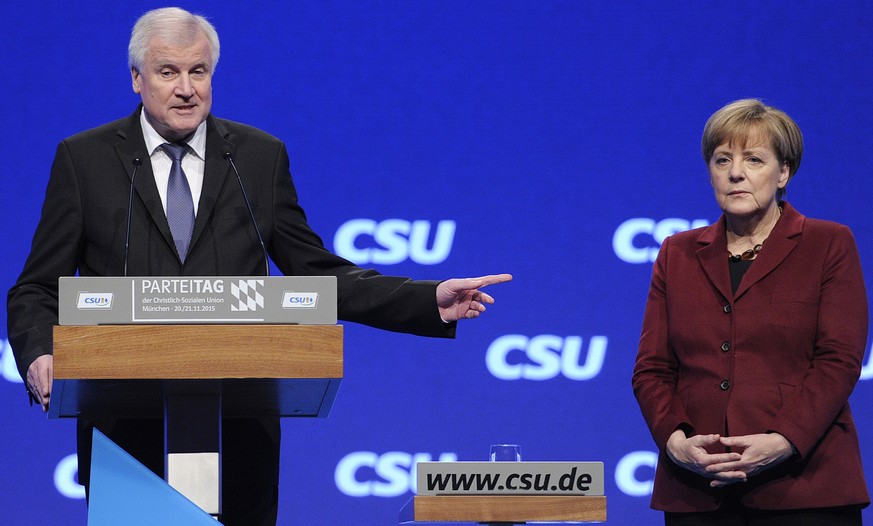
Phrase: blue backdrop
pixel 556 140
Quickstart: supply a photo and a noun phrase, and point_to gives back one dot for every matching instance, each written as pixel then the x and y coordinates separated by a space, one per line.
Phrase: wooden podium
pixel 503 509
pixel 192 376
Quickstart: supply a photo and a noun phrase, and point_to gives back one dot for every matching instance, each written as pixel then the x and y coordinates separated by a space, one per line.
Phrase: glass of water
pixel 505 453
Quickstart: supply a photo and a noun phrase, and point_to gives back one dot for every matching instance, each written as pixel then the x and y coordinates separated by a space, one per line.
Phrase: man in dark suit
pixel 84 225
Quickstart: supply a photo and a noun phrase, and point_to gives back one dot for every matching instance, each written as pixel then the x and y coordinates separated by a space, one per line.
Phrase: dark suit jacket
pixel 782 354
pixel 83 224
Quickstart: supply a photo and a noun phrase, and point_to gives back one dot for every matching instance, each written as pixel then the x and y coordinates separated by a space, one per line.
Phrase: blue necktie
pixel 180 205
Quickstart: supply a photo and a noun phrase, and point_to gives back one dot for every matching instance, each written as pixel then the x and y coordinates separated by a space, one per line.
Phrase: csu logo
pixel 391 474
pixel 393 241
pixel 543 357
pixel 637 240
pixel 94 300
pixel 299 300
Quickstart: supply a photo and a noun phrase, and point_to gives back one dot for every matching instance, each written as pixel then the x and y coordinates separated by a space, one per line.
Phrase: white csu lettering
pixel 626 473
pixel 397 240
pixel 65 478
pixel 867 368
pixel 627 233
pixel 547 356
pixel 7 360
pixel 391 474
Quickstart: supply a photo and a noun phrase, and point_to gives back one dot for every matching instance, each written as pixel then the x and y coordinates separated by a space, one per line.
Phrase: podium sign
pixel 307 300
pixel 507 492
pixel 510 478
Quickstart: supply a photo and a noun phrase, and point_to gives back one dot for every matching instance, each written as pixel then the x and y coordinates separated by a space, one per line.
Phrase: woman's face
pixel 745 177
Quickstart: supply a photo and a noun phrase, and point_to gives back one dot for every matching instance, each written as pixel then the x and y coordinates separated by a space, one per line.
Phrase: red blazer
pixel 782 354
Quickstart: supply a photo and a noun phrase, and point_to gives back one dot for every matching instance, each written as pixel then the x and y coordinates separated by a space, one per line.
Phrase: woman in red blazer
pixel 752 341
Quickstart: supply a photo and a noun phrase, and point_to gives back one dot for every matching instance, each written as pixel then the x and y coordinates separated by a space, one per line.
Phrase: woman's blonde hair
pixel 751 119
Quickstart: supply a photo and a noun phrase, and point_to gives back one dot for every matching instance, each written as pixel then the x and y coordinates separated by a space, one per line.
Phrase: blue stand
pixel 123 491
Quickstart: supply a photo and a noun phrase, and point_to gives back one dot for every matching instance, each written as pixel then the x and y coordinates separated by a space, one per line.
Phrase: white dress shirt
pixel 193 164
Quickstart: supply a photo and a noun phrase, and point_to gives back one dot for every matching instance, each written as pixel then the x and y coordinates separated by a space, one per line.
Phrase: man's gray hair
pixel 172 25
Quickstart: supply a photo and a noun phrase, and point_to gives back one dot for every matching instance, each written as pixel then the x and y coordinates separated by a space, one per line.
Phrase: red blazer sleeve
pixel 656 370
pixel 838 351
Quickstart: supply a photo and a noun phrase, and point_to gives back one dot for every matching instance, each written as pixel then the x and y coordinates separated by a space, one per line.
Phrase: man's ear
pixel 136 78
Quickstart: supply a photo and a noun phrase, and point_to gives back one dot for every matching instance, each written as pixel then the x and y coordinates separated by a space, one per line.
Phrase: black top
pixel 738 269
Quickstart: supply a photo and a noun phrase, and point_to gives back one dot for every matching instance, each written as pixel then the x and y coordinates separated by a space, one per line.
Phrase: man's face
pixel 176 86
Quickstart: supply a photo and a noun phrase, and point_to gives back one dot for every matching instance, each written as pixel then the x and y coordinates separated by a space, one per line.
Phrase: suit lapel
pixel 777 247
pixel 130 147
pixel 214 175
pixel 712 256
pixel 713 253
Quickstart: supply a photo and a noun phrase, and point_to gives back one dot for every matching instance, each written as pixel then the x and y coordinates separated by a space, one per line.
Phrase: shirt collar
pixel 153 139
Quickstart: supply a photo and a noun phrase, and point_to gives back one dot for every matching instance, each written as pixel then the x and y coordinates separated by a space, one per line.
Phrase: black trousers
pixel 736 516
pixel 249 461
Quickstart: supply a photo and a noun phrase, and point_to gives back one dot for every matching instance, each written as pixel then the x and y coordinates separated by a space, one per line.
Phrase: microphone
pixel 137 162
pixel 228 155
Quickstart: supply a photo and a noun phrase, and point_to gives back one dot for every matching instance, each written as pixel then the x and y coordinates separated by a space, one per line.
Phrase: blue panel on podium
pixel 123 491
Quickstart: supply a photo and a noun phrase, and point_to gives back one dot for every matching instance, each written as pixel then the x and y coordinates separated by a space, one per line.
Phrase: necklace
pixel 752 252
pixel 748 254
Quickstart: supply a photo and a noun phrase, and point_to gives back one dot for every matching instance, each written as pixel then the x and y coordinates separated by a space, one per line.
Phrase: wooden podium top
pixel 197 352
pixel 259 370
pixel 510 509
